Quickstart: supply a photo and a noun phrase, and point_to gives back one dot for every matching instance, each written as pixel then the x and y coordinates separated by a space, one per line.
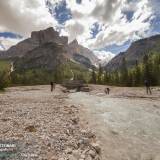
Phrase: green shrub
pixel 4 79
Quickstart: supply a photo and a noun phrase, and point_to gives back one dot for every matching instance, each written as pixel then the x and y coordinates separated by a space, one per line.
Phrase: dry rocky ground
pixel 44 126
pixel 66 126
pixel 126 122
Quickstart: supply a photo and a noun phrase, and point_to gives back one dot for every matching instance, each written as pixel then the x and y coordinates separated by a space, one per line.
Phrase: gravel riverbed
pixel 126 122
pixel 43 126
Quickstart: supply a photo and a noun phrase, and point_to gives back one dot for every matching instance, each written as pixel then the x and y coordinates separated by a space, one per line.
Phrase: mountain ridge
pixel 49 35
pixel 135 52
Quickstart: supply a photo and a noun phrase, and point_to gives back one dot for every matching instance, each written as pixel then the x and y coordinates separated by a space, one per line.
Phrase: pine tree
pixel 137 75
pixel 100 74
pixel 106 77
pixel 4 79
pixel 93 77
pixel 147 69
pixel 124 72
pixel 116 77
pixel 58 74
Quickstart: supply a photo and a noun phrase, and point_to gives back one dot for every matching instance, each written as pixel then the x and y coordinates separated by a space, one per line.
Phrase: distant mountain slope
pixel 136 52
pixel 39 40
pixel 74 49
pixel 46 56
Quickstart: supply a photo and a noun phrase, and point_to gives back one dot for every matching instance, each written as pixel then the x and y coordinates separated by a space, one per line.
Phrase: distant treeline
pixel 148 69
pixel 40 76
pixel 4 74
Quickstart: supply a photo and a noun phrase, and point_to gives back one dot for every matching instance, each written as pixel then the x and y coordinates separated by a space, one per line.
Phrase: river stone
pixel 92 153
pixel 96 147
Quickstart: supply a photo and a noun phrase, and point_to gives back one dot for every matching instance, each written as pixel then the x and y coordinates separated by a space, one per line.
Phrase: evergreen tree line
pixel 4 74
pixel 4 79
pixel 42 76
pixel 148 69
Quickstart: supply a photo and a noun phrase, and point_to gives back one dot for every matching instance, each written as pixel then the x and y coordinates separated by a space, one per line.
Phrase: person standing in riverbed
pixel 148 88
pixel 52 86
pixel 107 91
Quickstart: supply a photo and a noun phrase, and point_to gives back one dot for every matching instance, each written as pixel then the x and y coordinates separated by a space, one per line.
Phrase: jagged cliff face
pixel 46 56
pixel 75 49
pixel 48 35
pixel 38 44
pixel 136 52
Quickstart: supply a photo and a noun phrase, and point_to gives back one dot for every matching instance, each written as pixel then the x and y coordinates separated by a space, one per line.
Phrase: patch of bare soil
pixel 43 126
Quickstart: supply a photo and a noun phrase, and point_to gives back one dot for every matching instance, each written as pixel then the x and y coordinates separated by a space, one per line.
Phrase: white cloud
pixel 107 10
pixel 74 29
pixel 6 43
pixel 109 14
pixel 1 47
pixel 24 16
pixel 104 56
pixel 120 30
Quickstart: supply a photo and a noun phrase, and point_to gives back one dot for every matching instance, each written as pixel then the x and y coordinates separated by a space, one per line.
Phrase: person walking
pixel 52 86
pixel 148 88
pixel 107 91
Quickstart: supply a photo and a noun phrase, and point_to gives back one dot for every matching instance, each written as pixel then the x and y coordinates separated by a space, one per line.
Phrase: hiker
pixel 78 89
pixel 107 90
pixel 148 89
pixel 52 86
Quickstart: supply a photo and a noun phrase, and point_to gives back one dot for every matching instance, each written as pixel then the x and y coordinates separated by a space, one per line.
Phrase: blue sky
pixel 101 25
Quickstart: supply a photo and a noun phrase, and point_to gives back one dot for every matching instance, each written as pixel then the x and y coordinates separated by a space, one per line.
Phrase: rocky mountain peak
pixel 44 35
pixel 74 42
pixel 37 39
pixel 37 44
pixel 48 35
pixel 80 53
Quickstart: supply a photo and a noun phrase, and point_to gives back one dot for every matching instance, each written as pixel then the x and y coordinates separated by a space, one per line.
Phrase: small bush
pixel 4 79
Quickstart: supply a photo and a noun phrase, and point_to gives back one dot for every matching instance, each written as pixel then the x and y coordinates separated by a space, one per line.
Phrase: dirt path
pixel 127 122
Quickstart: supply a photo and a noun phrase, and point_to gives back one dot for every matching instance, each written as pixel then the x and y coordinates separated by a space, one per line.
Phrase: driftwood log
pixel 75 84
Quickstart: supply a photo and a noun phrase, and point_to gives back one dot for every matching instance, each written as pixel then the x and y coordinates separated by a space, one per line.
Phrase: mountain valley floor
pixel 124 125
